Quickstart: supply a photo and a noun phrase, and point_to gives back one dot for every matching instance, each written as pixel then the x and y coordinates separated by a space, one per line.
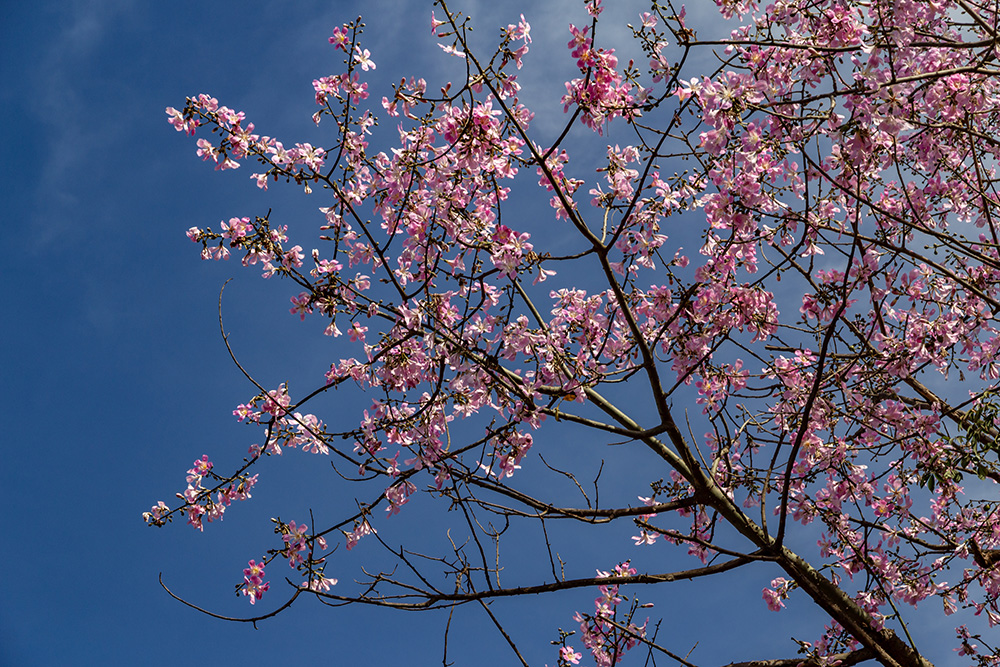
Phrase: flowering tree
pixel 816 383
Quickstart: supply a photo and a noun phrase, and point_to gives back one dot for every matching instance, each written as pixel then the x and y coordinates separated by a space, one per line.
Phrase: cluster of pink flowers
pixel 254 585
pixel 298 552
pixel 607 636
pixel 199 504
pixel 296 546
pixel 398 495
pixel 509 449
pixel 362 529
pixel 777 593
pixel 601 93
pixel 284 427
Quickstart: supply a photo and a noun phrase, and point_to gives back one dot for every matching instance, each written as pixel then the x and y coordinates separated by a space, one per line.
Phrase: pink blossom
pixel 207 151
pixel 356 332
pixel 154 517
pixel 340 38
pixel 360 530
pixel 319 583
pixel 567 654
pixel 435 24
pixel 301 305
pixel 450 49
pixel 180 123
pixel 362 57
pixel 293 257
pixel 200 468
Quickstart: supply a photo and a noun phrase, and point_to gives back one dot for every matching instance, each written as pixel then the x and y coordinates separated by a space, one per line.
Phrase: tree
pixel 816 383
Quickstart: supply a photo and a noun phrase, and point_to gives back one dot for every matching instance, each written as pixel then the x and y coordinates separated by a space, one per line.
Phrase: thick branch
pixel 841 659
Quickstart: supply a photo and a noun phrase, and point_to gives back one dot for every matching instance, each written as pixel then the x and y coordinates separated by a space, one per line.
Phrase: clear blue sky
pixel 114 375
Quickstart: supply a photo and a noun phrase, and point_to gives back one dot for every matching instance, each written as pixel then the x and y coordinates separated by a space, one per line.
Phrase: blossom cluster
pixel 254 585
pixel 198 502
pixel 605 634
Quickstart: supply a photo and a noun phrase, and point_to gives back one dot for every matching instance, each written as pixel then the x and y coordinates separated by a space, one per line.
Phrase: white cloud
pixel 72 138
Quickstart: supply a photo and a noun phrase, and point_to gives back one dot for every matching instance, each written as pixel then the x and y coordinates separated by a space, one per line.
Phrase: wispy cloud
pixel 72 139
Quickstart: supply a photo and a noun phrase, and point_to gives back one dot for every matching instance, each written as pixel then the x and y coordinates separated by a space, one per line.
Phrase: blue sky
pixel 114 375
